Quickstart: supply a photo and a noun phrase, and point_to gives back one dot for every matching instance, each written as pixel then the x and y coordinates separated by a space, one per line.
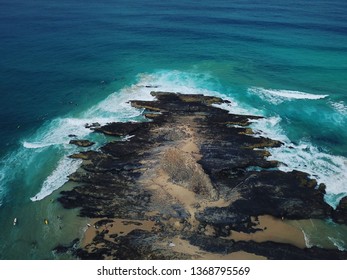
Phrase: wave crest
pixel 304 156
pixel 278 96
pixel 58 178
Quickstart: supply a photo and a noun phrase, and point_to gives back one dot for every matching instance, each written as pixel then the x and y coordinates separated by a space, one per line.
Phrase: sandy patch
pixel 273 230
pixel 119 227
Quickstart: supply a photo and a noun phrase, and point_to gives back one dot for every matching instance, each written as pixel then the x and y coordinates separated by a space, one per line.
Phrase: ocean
pixel 67 63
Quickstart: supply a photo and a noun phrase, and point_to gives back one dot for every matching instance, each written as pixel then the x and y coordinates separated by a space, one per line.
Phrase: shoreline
pixel 179 188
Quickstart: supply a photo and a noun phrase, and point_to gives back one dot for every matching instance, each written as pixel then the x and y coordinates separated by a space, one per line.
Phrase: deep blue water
pixel 64 63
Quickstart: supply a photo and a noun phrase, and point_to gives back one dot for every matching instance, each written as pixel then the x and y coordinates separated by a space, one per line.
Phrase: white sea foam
pixel 307 239
pixel 11 168
pixel 326 168
pixel 235 108
pixel 2 189
pixel 115 107
pixel 340 107
pixel 304 156
pixel 30 145
pixel 177 81
pixel 269 127
pixel 127 137
pixel 59 177
pixel 339 243
pixel 58 130
pixel 56 133
pixel 191 83
pixel 278 96
pixel 166 81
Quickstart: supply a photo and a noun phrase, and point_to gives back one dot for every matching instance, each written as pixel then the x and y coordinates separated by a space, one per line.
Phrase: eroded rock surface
pixel 184 181
pixel 82 143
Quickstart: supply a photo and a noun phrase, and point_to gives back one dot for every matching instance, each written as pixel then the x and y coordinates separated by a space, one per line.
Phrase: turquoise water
pixel 67 63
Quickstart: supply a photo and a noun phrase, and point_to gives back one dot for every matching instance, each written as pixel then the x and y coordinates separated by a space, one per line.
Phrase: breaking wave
pixel 278 96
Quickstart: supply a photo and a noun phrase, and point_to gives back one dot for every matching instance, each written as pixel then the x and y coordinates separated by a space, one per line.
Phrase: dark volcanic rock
pixel 187 143
pixel 340 214
pixel 107 200
pixel 137 245
pixel 82 143
pixel 280 194
pixel 225 219
pixel 119 129
pixel 271 250
pixel 70 248
pixel 87 155
pixel 92 125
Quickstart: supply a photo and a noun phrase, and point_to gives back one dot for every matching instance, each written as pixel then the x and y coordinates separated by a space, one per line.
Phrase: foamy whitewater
pixel 339 107
pixel 53 138
pixel 279 96
pixel 44 165
pixel 68 63
pixel 304 156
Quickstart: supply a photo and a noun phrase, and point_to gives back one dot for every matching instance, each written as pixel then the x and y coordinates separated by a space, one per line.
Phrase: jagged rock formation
pixel 82 143
pixel 185 182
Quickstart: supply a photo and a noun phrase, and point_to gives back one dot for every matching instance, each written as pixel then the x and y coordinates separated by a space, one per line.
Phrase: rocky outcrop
pixel 196 172
pixel 340 214
pixel 82 143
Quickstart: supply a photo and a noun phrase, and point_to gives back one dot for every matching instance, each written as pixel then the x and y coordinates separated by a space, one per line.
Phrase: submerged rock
pixel 82 143
pixel 70 248
pixel 92 125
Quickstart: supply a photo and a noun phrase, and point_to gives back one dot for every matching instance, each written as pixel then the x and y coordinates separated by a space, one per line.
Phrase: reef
pixel 187 183
pixel 82 143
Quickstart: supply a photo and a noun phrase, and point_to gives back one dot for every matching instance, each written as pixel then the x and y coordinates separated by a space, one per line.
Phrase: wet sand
pixel 272 229
pixel 118 227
